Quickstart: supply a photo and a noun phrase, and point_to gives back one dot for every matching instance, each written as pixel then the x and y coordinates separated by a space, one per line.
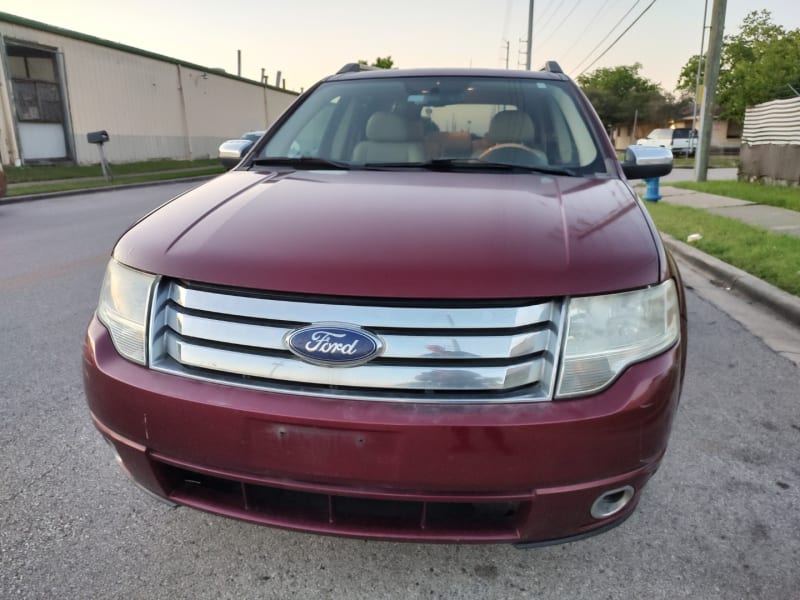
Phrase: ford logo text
pixel 334 344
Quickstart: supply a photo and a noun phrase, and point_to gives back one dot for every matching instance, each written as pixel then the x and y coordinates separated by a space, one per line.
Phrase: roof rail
pixel 552 66
pixel 356 67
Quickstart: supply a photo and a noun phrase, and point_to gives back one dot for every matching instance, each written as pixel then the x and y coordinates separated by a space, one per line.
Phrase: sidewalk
pixel 778 220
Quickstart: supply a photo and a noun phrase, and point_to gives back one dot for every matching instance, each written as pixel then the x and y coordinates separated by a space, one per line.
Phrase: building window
pixel 734 130
pixel 37 94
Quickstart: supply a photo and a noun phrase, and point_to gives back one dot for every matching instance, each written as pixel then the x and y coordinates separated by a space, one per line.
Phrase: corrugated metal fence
pixel 771 142
pixel 775 122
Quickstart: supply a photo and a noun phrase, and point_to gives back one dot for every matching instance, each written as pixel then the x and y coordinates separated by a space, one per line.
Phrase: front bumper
pixel 462 473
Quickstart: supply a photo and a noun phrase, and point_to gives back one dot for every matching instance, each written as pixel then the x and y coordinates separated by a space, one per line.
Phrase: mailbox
pixel 100 138
pixel 97 137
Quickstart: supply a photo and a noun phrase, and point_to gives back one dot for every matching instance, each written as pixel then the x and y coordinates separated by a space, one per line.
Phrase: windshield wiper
pixel 467 164
pixel 300 162
pixel 446 164
pixel 437 164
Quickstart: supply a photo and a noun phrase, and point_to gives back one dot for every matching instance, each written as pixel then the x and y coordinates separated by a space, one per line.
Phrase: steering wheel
pixel 514 154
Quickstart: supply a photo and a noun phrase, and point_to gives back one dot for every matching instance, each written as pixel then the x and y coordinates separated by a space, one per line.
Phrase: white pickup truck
pixel 681 140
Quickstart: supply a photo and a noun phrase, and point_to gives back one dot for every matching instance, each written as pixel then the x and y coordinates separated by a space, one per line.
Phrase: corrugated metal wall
pixel 771 142
pixel 152 107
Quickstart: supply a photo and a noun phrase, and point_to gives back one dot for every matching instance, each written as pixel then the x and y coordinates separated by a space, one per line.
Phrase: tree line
pixel 760 62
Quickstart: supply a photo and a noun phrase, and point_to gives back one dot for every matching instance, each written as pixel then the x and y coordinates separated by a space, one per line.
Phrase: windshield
pixel 417 122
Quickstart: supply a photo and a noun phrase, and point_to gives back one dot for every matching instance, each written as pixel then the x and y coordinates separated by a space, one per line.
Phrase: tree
pixel 382 62
pixel 618 93
pixel 759 63
pixel 687 79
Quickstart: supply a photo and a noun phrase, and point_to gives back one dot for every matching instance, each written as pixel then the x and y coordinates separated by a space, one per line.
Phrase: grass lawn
pixel 81 184
pixel 769 256
pixel 69 171
pixel 760 193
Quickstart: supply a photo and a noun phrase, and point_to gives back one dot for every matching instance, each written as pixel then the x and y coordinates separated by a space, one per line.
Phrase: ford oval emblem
pixel 334 344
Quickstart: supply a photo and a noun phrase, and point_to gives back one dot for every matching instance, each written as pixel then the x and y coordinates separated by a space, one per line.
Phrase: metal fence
pixel 771 142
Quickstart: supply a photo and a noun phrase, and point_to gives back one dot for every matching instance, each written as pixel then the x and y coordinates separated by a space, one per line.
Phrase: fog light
pixel 611 502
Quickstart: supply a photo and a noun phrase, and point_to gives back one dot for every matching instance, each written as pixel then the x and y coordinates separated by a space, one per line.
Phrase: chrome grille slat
pixel 367 316
pixel 450 347
pixel 432 353
pixel 372 375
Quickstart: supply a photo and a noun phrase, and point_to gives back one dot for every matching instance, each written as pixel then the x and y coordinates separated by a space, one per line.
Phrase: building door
pixel 38 104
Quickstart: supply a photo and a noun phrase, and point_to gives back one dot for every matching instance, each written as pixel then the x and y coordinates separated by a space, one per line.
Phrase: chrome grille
pixel 458 351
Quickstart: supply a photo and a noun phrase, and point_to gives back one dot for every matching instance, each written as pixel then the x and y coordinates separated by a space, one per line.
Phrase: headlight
pixel 123 308
pixel 605 334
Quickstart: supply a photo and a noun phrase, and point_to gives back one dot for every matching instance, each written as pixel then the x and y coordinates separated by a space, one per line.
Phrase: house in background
pixel 57 85
pixel 725 135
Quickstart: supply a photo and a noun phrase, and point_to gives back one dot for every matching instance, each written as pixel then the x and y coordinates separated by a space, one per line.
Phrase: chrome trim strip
pixel 364 316
pixel 396 346
pixel 377 376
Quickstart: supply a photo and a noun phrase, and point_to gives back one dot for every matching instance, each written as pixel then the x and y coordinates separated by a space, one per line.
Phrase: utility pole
pixel 697 84
pixel 710 89
pixel 508 47
pixel 530 37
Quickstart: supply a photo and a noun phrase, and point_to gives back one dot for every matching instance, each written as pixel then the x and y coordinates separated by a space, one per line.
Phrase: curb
pixel 96 190
pixel 782 303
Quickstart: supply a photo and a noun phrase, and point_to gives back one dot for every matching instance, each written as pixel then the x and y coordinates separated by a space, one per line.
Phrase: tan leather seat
pixel 512 127
pixel 389 140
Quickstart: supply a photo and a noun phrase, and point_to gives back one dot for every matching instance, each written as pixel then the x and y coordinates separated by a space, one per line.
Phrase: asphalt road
pixel 720 520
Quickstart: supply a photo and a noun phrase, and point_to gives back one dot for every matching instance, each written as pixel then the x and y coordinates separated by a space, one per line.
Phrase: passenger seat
pixel 389 140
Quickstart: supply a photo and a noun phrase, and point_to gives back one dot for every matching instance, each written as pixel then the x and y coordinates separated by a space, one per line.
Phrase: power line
pixel 561 24
pixel 591 22
pixel 600 43
pixel 543 20
pixel 648 7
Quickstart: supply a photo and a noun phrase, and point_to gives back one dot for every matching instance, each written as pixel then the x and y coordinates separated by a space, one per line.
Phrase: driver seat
pixel 512 127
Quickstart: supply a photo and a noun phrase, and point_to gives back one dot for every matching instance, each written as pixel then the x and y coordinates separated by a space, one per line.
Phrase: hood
pixel 400 234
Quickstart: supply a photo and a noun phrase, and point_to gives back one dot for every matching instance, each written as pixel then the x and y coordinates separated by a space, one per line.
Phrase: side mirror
pixel 232 151
pixel 646 162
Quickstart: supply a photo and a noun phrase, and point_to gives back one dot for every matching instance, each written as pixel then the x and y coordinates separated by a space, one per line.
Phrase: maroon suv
pixel 426 305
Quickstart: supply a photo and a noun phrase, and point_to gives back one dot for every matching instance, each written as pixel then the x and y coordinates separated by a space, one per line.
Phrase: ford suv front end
pixel 426 305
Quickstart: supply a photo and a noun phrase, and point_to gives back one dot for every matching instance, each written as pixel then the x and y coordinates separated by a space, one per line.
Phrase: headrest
pixel 510 126
pixel 387 127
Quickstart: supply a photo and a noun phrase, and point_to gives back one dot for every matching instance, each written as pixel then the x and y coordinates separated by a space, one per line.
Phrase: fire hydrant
pixel 652 193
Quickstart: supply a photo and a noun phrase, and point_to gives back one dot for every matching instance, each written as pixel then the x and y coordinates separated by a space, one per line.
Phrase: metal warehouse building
pixel 57 85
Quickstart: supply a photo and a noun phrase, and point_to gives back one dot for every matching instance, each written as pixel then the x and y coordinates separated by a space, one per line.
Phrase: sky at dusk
pixel 309 39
